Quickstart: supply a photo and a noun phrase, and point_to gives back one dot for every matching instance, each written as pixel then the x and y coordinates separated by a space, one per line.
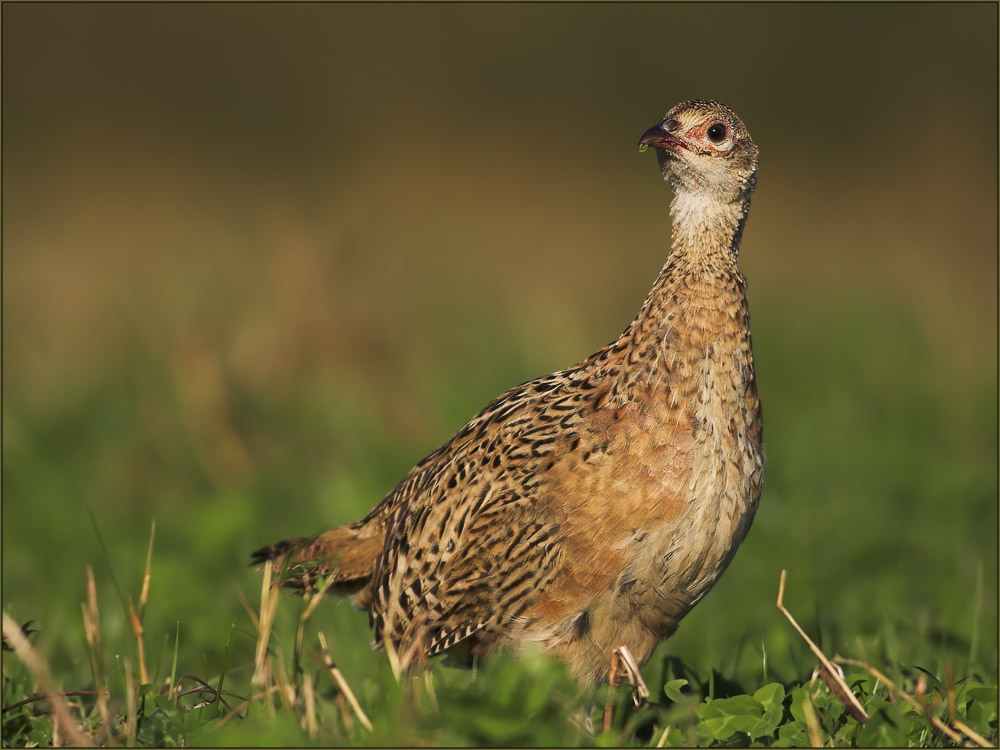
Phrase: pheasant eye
pixel 717 133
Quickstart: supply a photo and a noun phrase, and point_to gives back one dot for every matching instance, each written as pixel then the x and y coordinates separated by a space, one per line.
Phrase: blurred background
pixel 259 259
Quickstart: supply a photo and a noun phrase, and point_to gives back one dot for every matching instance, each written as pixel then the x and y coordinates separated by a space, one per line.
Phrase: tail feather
pixel 347 553
pixel 273 551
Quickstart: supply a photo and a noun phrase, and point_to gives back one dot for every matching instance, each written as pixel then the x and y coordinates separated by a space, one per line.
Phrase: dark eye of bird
pixel 717 133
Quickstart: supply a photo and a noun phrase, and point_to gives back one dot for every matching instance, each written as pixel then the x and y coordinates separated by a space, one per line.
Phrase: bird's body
pixel 593 507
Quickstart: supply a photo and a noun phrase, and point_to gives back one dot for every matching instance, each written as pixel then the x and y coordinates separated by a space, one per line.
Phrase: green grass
pixel 880 500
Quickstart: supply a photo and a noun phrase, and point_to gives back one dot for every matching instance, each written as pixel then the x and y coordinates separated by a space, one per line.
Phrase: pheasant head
pixel 704 148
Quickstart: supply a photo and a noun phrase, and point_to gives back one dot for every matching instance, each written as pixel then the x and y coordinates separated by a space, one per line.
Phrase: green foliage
pixel 508 701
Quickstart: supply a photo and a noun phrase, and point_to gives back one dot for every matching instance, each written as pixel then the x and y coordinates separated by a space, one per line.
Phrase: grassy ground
pixel 243 295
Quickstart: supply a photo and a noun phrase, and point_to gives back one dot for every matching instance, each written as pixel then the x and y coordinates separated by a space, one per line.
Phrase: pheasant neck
pixel 697 300
pixel 703 257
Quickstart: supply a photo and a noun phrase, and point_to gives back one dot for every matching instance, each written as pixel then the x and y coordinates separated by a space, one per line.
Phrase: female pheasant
pixel 594 507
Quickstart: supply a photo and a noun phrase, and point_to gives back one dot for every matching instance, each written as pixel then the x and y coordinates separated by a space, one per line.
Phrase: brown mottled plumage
pixel 591 508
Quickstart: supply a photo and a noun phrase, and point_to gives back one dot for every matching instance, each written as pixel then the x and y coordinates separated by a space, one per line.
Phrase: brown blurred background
pixel 284 174
pixel 246 236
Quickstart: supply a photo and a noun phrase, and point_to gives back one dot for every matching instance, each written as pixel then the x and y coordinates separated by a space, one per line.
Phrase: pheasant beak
pixel 659 136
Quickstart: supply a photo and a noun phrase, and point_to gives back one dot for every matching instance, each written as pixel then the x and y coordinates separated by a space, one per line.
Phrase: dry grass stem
pixel 144 596
pixel 300 631
pixel 131 709
pixel 285 689
pixel 92 630
pixel 137 632
pixel 268 605
pixel 40 672
pixel 950 686
pixel 316 597
pixel 345 689
pixel 812 723
pixel 136 616
pixel 312 600
pixel 971 733
pixel 955 722
pixel 663 736
pixel 921 690
pixel 309 695
pixel 345 712
pixel 921 698
pixel 830 673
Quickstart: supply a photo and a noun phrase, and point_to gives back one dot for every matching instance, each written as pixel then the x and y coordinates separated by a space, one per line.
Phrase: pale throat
pixel 705 226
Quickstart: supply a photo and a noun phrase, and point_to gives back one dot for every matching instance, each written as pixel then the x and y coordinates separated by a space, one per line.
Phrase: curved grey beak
pixel 659 136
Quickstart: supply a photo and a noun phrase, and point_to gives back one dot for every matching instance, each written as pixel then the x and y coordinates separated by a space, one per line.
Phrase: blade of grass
pixel 173 666
pixel 345 689
pixel 107 559
pixel 159 661
pixel 763 651
pixel 977 605
pixel 225 662
pixel 248 607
